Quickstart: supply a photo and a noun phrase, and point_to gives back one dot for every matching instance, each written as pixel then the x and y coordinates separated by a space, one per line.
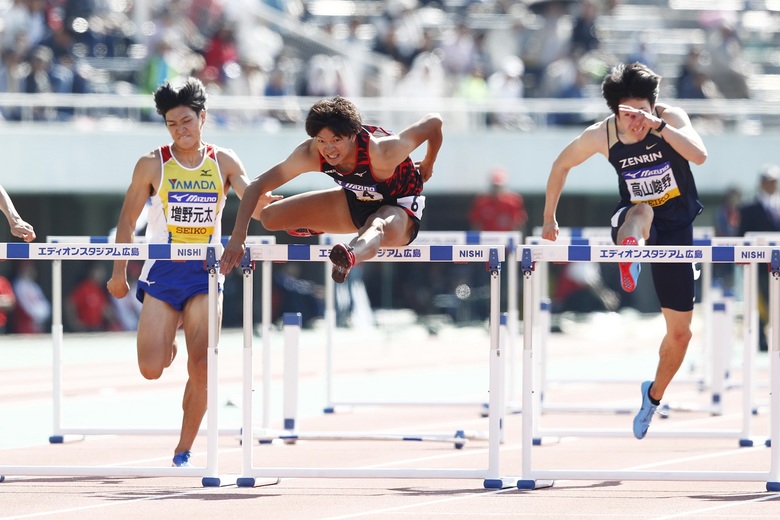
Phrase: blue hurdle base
pixel 534 484
pixel 499 483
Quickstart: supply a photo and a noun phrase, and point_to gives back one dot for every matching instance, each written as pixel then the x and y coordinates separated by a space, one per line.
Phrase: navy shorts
pixel 360 211
pixel 174 282
pixel 674 283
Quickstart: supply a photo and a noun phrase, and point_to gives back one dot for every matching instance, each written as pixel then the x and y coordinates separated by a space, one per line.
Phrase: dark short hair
pixel 191 94
pixel 633 81
pixel 337 114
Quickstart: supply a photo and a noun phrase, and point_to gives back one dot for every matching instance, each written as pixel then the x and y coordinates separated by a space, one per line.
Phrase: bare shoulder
pixel 671 113
pixel 596 134
pixel 227 156
pixel 148 164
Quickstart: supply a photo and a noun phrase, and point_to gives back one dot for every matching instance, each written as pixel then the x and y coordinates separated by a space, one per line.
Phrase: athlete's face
pixel 185 126
pixel 334 148
pixel 633 114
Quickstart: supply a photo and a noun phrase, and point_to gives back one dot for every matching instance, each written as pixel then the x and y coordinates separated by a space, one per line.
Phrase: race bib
pixel 414 204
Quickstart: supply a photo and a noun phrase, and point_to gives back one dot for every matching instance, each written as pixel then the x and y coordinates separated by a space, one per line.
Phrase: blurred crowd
pixel 476 49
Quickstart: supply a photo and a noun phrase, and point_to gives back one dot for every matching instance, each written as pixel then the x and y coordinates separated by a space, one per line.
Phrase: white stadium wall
pixel 66 159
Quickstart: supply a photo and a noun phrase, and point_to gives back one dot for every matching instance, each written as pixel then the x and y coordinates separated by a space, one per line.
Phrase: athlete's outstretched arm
pixel 235 173
pixel 258 194
pixel 582 147
pixel 388 152
pixel 141 187
pixel 19 228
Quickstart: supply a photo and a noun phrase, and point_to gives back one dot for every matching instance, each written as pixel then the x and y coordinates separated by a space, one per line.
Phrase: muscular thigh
pixel 156 330
pixel 323 210
pixel 674 283
pixel 399 228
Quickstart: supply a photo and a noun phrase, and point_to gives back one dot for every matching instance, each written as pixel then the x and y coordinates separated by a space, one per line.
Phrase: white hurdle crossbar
pixel 492 255
pixel 83 251
pixel 716 310
pixel 507 239
pixel 59 432
pixel 601 236
pixel 533 478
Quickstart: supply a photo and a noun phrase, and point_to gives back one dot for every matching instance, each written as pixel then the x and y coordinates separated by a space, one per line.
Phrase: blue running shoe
pixel 629 272
pixel 645 415
pixel 182 459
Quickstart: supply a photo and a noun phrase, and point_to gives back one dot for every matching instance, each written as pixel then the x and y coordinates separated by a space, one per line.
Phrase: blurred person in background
pixel 762 215
pixel 500 209
pixel 727 224
pixel 89 308
pixel 7 303
pixel 33 309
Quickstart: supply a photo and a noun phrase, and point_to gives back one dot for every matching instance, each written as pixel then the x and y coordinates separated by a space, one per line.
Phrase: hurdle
pixel 139 251
pixel 534 478
pixel 508 239
pixel 491 255
pixel 601 236
pixel 718 316
pixel 743 434
pixel 59 432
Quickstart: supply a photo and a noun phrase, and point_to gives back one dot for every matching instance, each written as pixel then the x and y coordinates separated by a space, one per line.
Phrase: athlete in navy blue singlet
pixel 650 145
pixel 379 186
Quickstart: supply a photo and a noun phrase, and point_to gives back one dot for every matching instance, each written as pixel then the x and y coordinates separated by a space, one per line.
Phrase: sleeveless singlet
pixel 188 204
pixel 652 171
pixel 405 181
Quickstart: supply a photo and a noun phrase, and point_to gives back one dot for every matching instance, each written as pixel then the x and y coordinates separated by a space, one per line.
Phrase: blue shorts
pixel 174 282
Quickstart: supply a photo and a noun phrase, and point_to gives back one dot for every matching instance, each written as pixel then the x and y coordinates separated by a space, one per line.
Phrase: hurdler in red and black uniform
pixel 379 195
pixel 365 194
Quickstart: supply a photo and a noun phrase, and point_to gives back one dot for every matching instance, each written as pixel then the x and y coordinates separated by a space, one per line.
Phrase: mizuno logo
pixel 650 146
pixel 205 173
pixel 360 174
pixel 195 198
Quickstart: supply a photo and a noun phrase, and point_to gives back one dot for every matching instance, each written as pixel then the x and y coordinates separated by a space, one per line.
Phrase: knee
pixel 269 219
pixel 680 336
pixel 150 371
pixel 642 212
pixel 197 368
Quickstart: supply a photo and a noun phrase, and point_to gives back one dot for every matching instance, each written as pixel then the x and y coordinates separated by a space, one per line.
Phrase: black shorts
pixel 360 211
pixel 673 282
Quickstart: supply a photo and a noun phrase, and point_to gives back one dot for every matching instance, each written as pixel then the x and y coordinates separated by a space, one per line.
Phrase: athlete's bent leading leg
pixel 156 340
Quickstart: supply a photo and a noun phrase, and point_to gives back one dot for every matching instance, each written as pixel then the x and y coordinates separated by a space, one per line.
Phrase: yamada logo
pixel 198 184
pixel 192 198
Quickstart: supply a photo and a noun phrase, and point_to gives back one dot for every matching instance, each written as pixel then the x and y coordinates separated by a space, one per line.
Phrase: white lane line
pixel 697 512
pixel 98 506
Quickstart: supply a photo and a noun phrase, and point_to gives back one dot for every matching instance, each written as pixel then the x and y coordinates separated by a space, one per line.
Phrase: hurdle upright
pixel 84 251
pixel 59 432
pixel 507 239
pixel 533 478
pixel 491 255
